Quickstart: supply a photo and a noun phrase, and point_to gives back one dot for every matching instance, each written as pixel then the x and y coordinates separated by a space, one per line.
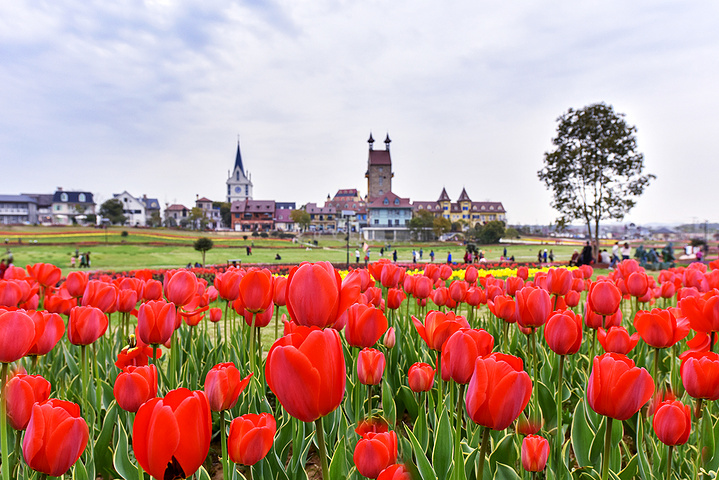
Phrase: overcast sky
pixel 149 97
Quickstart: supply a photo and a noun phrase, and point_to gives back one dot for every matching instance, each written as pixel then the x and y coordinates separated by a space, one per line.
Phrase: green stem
pixel 277 320
pixel 560 436
pixel 698 415
pixel 223 437
pixel 458 427
pixel 3 425
pixel 321 447
pixel 669 462
pixel 607 448
pixel 83 359
pixel 440 397
pixel 369 401
pixel 536 374
pixel 657 383
pixel 252 343
pixel 482 453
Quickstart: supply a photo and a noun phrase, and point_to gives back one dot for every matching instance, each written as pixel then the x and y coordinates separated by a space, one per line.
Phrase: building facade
pixel 71 207
pixel 253 215
pixel 211 214
pixel 322 219
pixel 389 217
pixel 17 209
pixel 349 200
pixel 133 209
pixel 176 215
pixel 239 183
pixel 464 209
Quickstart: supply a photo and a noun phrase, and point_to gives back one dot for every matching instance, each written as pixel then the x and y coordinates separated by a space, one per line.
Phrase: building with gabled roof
pixel 239 182
pixel 389 216
pixel 464 209
pixel 253 215
pixel 379 169
pixel 176 215
pixel 70 207
pixel 349 200
pixel 133 209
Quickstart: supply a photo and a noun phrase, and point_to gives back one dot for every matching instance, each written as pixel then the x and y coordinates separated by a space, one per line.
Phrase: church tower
pixel 239 184
pixel 379 170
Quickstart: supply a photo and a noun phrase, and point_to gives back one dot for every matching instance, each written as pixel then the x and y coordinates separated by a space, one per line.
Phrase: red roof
pixel 204 199
pixel 175 207
pixel 390 200
pixel 379 157
pixel 256 206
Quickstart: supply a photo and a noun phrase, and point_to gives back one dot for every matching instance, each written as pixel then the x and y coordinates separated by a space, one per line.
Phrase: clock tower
pixel 239 183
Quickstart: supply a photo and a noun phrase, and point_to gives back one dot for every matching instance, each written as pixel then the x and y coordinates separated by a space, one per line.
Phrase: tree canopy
pixel 490 232
pixel 301 218
pixel 595 171
pixel 202 245
pixel 112 209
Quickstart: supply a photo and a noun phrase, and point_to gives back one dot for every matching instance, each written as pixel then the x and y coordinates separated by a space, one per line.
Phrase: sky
pixel 150 96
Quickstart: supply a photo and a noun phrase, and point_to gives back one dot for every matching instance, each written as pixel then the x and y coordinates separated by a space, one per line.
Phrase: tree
pixel 198 220
pixel 441 225
pixel 420 223
pixel 203 244
pixel 155 219
pixel 490 232
pixel 112 210
pixel 301 218
pixel 225 213
pixel 595 170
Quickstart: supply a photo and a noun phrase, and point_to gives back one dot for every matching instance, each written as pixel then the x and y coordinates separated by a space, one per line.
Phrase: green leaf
pixel 442 453
pixel 202 474
pixel 79 472
pixel 338 465
pixel 630 471
pixel 425 469
pixel 121 459
pixel 582 436
pixel 505 472
pixel 388 406
pixel 504 452
pixel 645 469
pixel 421 431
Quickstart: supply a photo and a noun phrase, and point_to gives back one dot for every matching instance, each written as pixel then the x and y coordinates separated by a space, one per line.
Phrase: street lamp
pixel 347 214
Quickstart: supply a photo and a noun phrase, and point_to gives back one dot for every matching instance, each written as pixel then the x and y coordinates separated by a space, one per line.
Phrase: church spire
pixel 238 157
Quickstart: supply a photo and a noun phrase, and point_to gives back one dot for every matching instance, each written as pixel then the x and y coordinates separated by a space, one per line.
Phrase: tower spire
pixel 238 157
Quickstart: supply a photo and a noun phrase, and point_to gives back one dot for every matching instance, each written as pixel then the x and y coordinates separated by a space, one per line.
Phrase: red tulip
pixel 637 284
pixel 700 374
pixel 306 371
pixel 535 451
pixel 375 452
pixel 17 335
pixel 152 290
pixel 49 329
pixel 504 307
pixel 672 422
pixel 45 274
pixel 76 282
pixel 514 284
pixel 395 472
pixel 534 307
pixel 617 388
pixel 100 295
pixel 458 290
pixel 461 350
pixel 223 386
pixel 135 386
pixel 86 325
pixel 228 284
pixel 593 320
pixel 251 438
pixel 156 322
pixel 659 328
pixel 370 366
pixel 261 319
pixel 498 391
pixel 389 338
pixel 438 327
pixel 256 290
pixel 21 393
pixel 365 325
pixel 10 293
pixel 391 275
pixel 395 297
pixel 126 301
pixel 135 356
pixel 617 340
pixel 475 296
pixel 420 377
pixel 316 295
pixel 440 296
pixel 445 271
pixel 523 273
pixel 559 281
pixel 422 287
pixel 604 298
pixel 171 435
pixel 55 437
pixel 180 286
pixel 280 291
pixel 572 298
pixel 702 311
pixel 563 332
pixel 215 314
pixel 471 275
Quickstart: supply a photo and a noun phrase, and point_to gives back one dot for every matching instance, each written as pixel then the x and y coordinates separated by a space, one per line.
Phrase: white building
pixel 71 207
pixel 133 209
pixel 239 184
pixel 17 209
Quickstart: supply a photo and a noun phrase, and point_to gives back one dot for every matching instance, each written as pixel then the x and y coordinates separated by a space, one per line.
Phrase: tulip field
pixel 386 372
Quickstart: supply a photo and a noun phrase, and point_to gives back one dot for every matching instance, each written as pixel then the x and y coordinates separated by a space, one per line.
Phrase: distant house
pixel 349 200
pixel 176 215
pixel 152 209
pixel 253 215
pixel 388 218
pixel 283 216
pixel 322 219
pixel 472 213
pixel 133 209
pixel 212 214
pixel 44 207
pixel 70 207
pixel 17 209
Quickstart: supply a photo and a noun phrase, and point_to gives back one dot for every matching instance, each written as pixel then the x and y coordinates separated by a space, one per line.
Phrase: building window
pixel 386 201
pixel 63 197
pixel 81 197
pixel 396 201
pixel 376 221
pixel 381 181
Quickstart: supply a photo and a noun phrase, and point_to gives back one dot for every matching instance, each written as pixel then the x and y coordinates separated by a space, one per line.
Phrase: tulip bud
pixel 389 338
